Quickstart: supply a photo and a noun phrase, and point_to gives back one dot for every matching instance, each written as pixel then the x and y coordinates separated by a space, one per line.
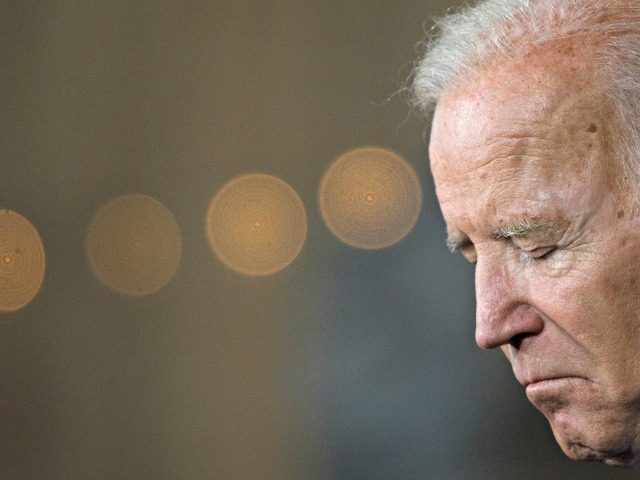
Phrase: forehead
pixel 503 138
pixel 499 112
pixel 529 139
pixel 552 82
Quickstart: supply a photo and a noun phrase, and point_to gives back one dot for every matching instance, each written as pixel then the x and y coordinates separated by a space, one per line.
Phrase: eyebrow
pixel 521 227
pixel 455 243
pixel 516 228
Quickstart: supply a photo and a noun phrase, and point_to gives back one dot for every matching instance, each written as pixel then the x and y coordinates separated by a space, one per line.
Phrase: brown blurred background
pixel 348 364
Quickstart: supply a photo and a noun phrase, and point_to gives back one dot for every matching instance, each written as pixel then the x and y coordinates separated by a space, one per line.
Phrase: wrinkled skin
pixel 530 141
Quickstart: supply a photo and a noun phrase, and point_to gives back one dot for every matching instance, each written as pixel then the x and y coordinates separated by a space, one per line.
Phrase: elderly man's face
pixel 527 185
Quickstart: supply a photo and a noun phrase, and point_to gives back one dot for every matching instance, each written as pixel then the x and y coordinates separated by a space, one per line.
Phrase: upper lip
pixel 531 380
pixel 536 379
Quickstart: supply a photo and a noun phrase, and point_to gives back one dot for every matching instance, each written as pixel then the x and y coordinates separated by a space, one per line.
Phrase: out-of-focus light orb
pixel 134 245
pixel 256 224
pixel 370 198
pixel 22 261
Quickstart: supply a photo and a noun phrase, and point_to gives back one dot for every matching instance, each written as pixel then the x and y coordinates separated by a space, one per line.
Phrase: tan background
pixel 347 365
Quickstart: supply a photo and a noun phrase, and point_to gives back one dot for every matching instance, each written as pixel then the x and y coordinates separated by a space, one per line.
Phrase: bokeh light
pixel 22 261
pixel 134 245
pixel 370 198
pixel 256 224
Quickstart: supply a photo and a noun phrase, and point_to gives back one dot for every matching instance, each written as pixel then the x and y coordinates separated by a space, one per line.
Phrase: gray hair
pixel 491 31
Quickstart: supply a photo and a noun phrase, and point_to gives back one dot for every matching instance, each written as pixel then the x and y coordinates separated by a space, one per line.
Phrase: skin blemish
pixel 592 128
pixel 620 214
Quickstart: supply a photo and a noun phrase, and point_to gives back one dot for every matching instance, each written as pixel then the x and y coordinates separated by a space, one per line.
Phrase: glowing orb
pixel 133 245
pixel 370 198
pixel 22 261
pixel 256 224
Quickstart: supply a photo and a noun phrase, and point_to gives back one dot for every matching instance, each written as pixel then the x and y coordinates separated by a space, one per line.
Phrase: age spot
pixel 620 214
pixel 592 128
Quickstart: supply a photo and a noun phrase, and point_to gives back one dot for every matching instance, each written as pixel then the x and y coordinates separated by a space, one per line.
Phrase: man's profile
pixel 535 154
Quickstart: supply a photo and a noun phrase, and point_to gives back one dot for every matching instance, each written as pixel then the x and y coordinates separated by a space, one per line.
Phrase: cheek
pixel 578 302
pixel 613 332
pixel 619 279
pixel 597 292
pixel 567 302
pixel 599 308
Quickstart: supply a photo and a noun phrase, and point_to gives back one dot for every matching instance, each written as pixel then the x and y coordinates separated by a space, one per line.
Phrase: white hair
pixel 491 31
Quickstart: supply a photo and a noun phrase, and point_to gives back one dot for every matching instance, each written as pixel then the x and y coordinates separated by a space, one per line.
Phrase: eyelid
pixel 540 253
pixel 468 251
pixel 462 246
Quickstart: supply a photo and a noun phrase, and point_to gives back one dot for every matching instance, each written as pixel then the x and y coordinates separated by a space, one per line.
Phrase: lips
pixel 553 383
pixel 533 371
pixel 535 380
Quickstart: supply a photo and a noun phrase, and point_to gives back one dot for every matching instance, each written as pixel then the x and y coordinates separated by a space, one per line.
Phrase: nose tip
pixel 486 337
pixel 507 325
pixel 484 340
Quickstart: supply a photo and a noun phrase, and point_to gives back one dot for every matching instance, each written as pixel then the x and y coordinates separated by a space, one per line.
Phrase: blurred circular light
pixel 370 198
pixel 256 224
pixel 22 261
pixel 133 245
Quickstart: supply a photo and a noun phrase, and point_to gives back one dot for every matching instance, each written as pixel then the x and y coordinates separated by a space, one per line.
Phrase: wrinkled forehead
pixel 527 113
pixel 554 89
pixel 527 144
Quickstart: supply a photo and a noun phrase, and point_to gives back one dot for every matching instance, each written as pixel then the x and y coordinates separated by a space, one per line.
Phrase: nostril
pixel 516 340
pixel 509 325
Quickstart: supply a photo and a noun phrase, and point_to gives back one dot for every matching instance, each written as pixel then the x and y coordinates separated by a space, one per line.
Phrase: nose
pixel 503 314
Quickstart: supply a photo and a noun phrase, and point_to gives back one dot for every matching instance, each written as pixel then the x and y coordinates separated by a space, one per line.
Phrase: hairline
pixel 620 83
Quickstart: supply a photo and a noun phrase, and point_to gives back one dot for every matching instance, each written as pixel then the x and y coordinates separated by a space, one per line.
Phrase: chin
pixel 592 437
pixel 588 424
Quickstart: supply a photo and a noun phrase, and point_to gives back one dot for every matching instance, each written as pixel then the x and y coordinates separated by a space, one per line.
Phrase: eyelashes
pixel 540 254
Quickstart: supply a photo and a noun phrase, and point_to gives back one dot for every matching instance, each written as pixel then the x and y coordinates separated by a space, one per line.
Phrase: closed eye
pixel 465 247
pixel 468 251
pixel 541 253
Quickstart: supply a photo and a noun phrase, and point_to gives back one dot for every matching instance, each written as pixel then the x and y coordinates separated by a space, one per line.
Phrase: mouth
pixel 552 382
pixel 534 381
